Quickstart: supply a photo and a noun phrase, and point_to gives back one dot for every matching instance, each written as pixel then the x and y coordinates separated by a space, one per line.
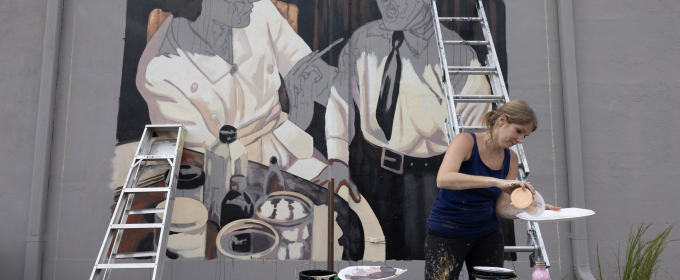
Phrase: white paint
pixel 267 209
pixel 291 234
pixel 295 251
pixel 298 210
pixel 281 214
pixel 305 232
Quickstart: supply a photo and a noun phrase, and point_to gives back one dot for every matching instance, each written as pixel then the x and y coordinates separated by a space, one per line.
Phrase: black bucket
pixel 482 275
pixel 317 275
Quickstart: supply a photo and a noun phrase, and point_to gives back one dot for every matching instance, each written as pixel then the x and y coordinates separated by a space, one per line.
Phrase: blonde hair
pixel 516 111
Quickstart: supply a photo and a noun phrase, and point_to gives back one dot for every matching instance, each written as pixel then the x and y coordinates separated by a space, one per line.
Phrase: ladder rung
pixel 155 157
pixel 445 19
pixel 136 255
pixel 511 249
pixel 478 98
pixel 126 265
pixel 135 226
pixel 466 42
pixel 474 128
pixel 472 68
pixel 468 72
pixel 145 211
pixel 146 190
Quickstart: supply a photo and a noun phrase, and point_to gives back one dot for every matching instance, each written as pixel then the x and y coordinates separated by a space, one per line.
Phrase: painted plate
pixel 367 272
pixel 565 214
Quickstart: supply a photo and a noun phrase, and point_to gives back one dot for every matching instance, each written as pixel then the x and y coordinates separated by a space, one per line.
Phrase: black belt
pixel 396 162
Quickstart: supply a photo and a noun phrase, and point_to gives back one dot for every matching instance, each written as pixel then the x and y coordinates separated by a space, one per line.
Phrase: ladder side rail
pixel 492 49
pixel 500 79
pixel 541 246
pixel 169 205
pixel 164 234
pixel 444 71
pixel 119 233
pixel 145 143
pixel 117 213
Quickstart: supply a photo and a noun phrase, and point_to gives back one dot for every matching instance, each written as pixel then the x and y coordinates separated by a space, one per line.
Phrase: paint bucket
pixel 533 205
pixel 187 228
pixel 247 239
pixel 291 214
pixel 317 275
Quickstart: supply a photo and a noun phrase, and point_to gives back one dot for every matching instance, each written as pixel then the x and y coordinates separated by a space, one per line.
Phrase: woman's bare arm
pixel 505 209
pixel 460 150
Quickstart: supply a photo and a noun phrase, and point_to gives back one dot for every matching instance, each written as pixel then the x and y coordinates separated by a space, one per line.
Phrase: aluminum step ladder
pixel 152 153
pixel 499 96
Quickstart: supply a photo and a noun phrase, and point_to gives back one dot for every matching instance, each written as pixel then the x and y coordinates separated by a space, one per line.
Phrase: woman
pixel 476 178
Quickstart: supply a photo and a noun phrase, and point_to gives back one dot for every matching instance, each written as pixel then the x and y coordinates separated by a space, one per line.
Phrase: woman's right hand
pixel 510 185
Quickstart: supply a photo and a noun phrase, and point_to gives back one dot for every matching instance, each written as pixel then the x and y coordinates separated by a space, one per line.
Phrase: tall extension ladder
pixel 498 98
pixel 152 153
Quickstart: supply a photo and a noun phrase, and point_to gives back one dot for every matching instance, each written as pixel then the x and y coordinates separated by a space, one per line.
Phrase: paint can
pixel 290 214
pixel 187 229
pixel 247 239
pixel 317 275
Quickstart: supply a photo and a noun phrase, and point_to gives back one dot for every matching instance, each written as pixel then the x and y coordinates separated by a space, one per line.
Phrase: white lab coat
pixel 199 91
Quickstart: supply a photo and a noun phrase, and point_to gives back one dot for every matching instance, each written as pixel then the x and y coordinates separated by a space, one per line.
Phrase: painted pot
pixel 290 214
pixel 247 239
pixel 187 229
pixel 317 275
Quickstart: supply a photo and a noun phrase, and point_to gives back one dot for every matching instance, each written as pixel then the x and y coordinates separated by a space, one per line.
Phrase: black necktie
pixel 389 91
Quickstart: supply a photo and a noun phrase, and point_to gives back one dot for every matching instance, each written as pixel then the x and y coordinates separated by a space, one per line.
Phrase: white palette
pixel 564 214
pixel 347 272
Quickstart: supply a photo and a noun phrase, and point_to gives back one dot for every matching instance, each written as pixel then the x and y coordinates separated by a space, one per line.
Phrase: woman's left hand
pixel 550 207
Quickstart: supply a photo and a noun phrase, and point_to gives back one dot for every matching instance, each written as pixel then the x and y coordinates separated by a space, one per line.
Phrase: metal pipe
pixel 331 223
pixel 520 249
pixel 572 125
pixel 35 238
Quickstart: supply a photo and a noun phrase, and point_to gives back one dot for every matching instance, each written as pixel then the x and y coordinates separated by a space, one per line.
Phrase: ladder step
pixel 125 265
pixel 154 157
pixel 472 68
pixel 147 190
pixel 145 211
pixel 447 42
pixel 474 128
pixel 135 226
pixel 135 255
pixel 479 98
pixel 469 72
pixel 446 19
pixel 511 249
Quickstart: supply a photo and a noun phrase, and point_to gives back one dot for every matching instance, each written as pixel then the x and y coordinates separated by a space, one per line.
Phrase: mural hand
pixel 340 172
pixel 306 83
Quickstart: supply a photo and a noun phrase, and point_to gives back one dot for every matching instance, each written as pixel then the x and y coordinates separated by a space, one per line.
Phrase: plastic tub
pixel 533 205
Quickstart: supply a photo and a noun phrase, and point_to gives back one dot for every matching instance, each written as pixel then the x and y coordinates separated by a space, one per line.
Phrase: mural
pixel 277 98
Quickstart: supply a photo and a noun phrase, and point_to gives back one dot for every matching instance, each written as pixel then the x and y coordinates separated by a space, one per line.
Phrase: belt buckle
pixel 394 160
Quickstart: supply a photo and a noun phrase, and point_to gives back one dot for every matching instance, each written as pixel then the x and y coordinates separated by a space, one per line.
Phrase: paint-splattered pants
pixel 444 256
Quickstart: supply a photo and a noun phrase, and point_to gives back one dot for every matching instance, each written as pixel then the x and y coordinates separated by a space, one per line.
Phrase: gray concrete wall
pixel 628 67
pixel 21 29
pixel 627 71
pixel 534 76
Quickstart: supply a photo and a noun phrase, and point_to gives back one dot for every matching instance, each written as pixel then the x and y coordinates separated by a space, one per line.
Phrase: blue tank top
pixel 469 213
